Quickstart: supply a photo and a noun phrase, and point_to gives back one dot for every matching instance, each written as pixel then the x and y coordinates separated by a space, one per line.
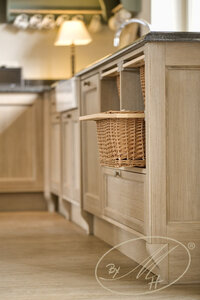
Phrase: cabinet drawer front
pixel 53 104
pixel 55 118
pixel 90 103
pixel 90 83
pixel 123 194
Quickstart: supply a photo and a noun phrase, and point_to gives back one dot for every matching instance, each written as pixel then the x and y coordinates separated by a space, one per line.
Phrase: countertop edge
pixel 154 36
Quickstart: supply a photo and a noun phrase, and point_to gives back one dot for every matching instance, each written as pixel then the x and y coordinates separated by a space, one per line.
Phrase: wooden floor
pixel 43 256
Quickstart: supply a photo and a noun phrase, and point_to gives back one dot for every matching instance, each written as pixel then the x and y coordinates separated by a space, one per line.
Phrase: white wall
pixel 36 53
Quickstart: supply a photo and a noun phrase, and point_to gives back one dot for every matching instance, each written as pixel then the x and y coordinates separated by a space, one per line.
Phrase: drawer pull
pixel 86 83
pixel 69 116
pixel 117 174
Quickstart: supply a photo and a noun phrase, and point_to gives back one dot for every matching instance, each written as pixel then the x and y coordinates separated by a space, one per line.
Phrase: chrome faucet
pixel 127 22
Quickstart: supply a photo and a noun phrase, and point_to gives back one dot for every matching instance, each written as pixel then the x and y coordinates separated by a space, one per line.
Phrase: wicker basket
pixel 142 81
pixel 121 140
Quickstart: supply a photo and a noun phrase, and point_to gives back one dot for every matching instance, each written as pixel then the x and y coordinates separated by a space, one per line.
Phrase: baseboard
pixel 22 202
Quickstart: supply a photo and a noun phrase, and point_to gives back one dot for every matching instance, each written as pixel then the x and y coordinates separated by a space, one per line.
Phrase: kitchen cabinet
pixel 55 154
pixel 123 197
pixel 90 103
pixel 64 163
pixel 162 199
pixel 70 162
pixel 21 142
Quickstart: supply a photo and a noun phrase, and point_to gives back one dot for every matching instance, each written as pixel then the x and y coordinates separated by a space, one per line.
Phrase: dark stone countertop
pixel 154 36
pixel 28 86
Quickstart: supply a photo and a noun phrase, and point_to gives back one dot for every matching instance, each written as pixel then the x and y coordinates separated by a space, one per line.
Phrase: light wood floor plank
pixel 45 257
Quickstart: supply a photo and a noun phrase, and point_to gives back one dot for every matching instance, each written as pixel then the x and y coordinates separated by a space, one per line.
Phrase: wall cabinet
pixel 90 103
pixel 21 143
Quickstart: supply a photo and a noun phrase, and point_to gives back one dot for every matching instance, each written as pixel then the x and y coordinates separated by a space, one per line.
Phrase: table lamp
pixel 71 33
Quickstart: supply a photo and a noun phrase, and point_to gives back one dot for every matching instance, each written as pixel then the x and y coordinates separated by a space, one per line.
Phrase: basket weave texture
pixel 121 141
pixel 142 81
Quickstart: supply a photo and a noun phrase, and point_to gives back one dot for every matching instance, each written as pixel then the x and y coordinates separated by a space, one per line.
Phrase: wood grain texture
pixel 187 56
pixel 171 189
pixel 131 93
pixel 90 104
pixel 70 140
pixel 21 143
pixel 155 216
pixel 102 116
pixel 55 148
pixel 183 144
pixel 18 202
pixel 183 158
pixel 123 197
pixel 43 256
pixel 110 98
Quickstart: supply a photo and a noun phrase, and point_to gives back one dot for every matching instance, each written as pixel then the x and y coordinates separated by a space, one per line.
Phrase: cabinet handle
pixel 86 83
pixel 117 174
pixel 57 117
pixel 67 116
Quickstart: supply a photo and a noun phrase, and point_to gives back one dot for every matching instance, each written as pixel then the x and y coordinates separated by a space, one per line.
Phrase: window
pixel 175 15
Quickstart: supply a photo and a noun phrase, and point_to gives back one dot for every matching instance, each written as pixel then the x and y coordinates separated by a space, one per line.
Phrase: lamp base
pixel 72 50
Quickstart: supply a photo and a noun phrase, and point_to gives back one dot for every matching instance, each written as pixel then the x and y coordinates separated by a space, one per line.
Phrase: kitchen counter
pixel 148 38
pixel 163 199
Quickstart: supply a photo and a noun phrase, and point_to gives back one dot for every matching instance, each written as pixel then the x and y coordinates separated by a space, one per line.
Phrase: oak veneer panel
pixel 70 156
pixel 124 198
pixel 55 171
pixel 67 157
pixel 131 93
pixel 182 54
pixel 21 144
pixel 13 202
pixel 110 98
pixel 185 232
pixel 76 160
pixel 52 101
pixel 183 144
pixel 155 117
pixel 90 104
pixel 17 143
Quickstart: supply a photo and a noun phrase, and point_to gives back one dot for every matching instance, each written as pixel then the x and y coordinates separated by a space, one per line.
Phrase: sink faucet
pixel 127 22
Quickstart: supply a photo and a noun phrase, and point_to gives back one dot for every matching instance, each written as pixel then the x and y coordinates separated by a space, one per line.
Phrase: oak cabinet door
pixel 90 103
pixel 76 155
pixel 123 197
pixel 55 154
pixel 21 143
pixel 70 156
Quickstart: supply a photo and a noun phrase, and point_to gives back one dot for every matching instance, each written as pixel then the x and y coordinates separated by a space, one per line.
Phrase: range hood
pixel 89 7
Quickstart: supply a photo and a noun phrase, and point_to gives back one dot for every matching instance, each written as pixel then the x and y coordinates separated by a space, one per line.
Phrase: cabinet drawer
pixel 55 118
pixel 67 116
pixel 53 102
pixel 123 197
pixel 90 83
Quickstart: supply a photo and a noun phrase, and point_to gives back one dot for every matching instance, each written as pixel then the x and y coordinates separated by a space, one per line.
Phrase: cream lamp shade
pixel 73 32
